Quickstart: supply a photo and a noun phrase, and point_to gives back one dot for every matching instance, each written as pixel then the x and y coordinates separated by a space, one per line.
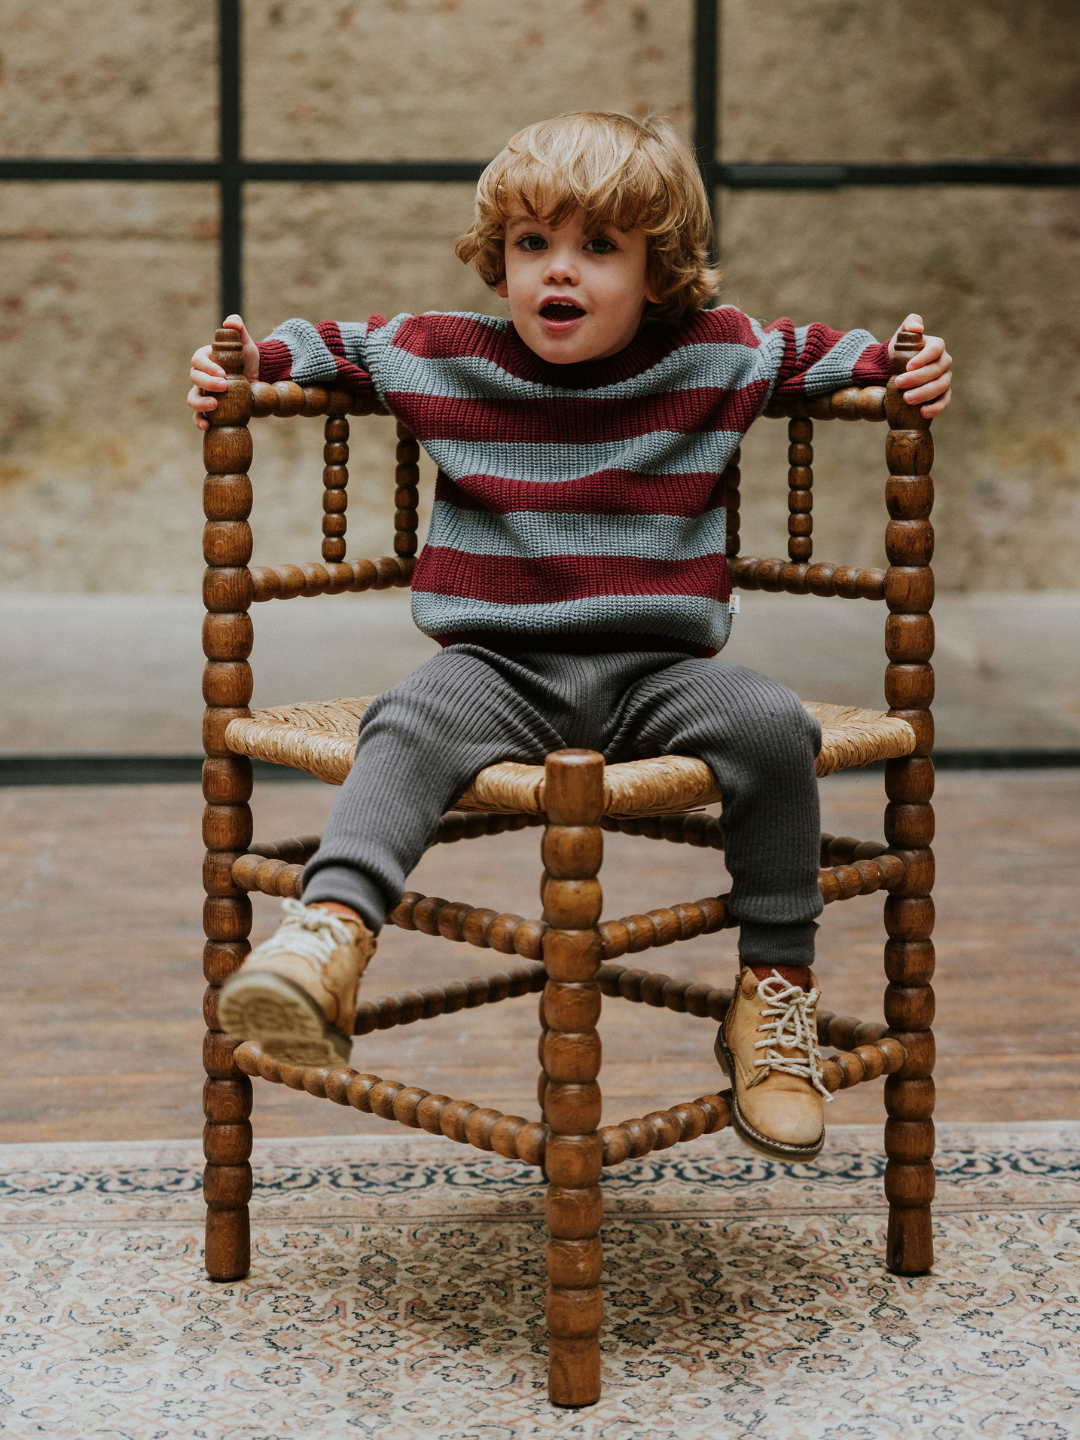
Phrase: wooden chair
pixel 569 955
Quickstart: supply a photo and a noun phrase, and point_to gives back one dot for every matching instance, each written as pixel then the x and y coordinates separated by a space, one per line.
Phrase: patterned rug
pixel 397 1291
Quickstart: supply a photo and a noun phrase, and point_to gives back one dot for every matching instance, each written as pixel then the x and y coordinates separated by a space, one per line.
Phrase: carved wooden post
pixel 731 477
pixel 227 640
pixel 335 477
pixel 909 826
pixel 800 477
pixel 572 852
pixel 406 494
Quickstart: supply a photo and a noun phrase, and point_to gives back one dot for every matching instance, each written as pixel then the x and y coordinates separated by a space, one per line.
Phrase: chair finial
pixel 908 343
pixel 228 351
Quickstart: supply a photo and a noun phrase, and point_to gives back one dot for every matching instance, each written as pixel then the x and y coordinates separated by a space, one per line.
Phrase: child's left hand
pixel 927 379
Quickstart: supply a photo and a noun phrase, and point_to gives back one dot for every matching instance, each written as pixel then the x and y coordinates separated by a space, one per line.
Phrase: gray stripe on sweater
pixel 662 452
pixel 523 533
pixel 834 369
pixel 692 618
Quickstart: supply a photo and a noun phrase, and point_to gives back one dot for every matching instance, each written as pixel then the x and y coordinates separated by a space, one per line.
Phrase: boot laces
pixel 309 932
pixel 789 1026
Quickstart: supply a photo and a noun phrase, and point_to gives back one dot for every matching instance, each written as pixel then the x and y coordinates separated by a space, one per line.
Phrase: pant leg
pixel 420 745
pixel 761 745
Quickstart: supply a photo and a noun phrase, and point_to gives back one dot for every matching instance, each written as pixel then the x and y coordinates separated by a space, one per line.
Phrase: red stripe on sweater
pixel 352 377
pixel 607 492
pixel 873 366
pixel 436 337
pixel 579 420
pixel 275 358
pixel 275 361
pixel 546 580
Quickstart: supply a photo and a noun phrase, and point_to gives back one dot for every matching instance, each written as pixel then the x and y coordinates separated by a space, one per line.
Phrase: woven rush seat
pixel 320 737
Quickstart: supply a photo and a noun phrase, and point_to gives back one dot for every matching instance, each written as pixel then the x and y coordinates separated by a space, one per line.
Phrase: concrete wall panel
pixel 860 80
pixel 110 78
pixel 452 79
pixel 106 290
pixel 993 271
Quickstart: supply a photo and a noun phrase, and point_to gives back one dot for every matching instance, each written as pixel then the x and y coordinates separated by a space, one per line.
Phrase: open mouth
pixel 561 310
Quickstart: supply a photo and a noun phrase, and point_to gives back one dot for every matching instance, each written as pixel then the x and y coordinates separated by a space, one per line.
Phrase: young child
pixel 575 575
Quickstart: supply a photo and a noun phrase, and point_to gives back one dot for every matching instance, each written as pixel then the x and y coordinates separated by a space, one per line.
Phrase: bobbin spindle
pixel 800 494
pixel 909 825
pixel 407 493
pixel 227 641
pixel 731 478
pixel 335 479
pixel 572 852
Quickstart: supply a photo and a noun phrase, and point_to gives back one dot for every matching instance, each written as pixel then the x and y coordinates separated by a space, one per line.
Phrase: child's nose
pixel 561 268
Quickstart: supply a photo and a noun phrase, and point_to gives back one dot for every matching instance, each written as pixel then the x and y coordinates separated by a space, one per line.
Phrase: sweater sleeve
pixel 817 359
pixel 329 353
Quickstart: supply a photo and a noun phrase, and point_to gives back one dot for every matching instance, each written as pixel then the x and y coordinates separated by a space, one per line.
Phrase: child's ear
pixel 502 289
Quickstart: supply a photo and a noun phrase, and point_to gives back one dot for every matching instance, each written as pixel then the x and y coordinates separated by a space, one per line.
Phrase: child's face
pixel 574 295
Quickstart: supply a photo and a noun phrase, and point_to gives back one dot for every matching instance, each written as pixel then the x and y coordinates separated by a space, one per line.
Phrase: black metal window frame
pixel 231 171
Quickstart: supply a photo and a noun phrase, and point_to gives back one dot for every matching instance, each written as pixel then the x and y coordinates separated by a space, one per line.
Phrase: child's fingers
pixel 913 322
pixel 911 379
pixel 923 394
pixel 200 402
pixel 203 365
pixel 207 380
pixel 928 355
pixel 234 322
pixel 932 347
pixel 927 365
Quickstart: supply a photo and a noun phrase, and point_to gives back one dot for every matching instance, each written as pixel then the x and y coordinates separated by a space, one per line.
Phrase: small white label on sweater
pixel 733 604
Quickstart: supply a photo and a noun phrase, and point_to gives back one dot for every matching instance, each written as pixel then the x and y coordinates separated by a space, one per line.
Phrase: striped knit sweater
pixel 577 507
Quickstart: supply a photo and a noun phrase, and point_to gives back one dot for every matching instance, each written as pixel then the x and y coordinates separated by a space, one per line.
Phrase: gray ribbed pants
pixel 422 743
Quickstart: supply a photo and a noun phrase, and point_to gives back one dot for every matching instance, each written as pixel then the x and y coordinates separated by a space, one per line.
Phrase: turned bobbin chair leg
pixel 909 828
pixel 572 852
pixel 227 779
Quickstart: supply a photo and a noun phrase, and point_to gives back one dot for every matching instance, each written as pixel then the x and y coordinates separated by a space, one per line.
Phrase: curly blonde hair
pixel 621 172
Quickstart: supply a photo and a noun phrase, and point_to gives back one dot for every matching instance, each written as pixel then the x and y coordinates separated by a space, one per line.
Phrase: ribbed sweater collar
pixel 648 348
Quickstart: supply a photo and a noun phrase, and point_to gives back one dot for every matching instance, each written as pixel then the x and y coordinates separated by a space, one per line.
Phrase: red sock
pixel 793 974
pixel 336 908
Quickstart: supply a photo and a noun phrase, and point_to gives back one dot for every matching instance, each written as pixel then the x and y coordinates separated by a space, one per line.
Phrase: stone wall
pixel 106 288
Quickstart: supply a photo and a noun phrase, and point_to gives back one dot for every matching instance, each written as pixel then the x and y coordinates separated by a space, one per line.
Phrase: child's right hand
pixel 208 376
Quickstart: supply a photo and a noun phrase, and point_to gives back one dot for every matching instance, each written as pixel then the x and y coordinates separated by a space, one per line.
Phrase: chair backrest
pixel 907 586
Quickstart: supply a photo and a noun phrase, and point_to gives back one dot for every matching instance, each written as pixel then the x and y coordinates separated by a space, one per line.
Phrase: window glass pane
pixel 858 80
pixel 991 270
pixel 451 79
pixel 106 291
pixel 135 79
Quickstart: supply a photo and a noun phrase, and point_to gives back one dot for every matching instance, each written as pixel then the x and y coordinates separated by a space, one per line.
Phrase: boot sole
pixel 282 1018
pixel 751 1137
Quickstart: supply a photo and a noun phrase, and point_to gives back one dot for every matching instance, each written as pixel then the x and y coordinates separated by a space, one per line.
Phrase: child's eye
pixel 531 242
pixel 600 245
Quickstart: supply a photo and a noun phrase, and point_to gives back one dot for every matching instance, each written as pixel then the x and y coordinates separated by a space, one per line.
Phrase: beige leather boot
pixel 295 994
pixel 768 1046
